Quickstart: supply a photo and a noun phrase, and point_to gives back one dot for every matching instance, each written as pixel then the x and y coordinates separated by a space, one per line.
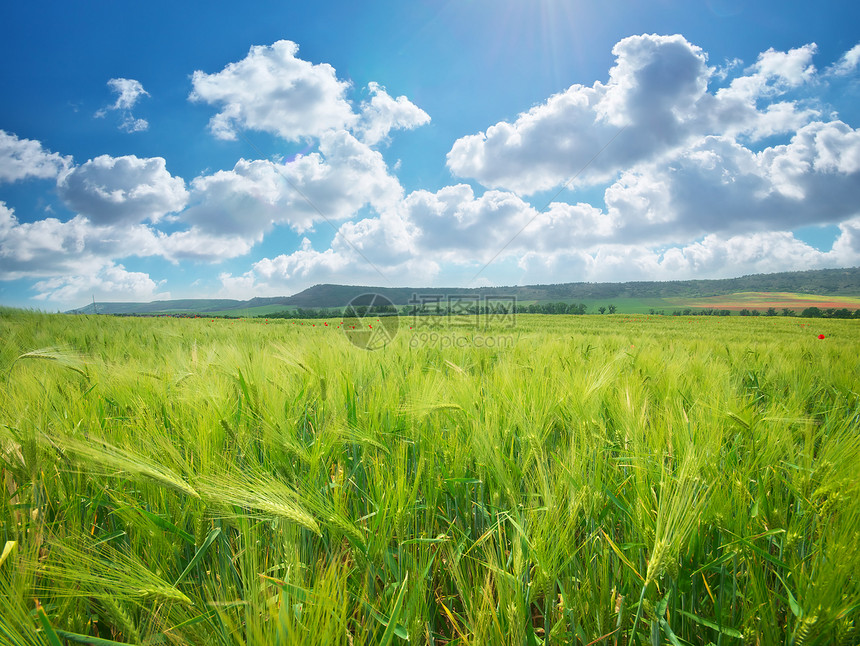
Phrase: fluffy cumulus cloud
pixel 307 266
pixel 684 165
pixel 42 248
pixel 111 282
pixel 333 184
pixel 751 105
pixel 301 265
pixel 25 158
pixel 382 114
pixel 714 256
pixel 54 248
pixel 656 100
pixel 716 184
pixel 424 233
pixel 294 271
pixel 459 227
pixel 847 64
pixel 757 253
pixel 273 90
pixel 847 247
pixel 128 189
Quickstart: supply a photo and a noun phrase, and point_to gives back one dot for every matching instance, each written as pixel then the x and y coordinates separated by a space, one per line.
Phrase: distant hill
pixel 825 282
pixel 187 305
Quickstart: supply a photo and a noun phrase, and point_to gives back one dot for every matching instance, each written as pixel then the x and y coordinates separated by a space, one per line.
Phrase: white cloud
pixel 658 94
pixel 382 114
pixel 567 226
pixel 735 110
pixel 291 273
pixel 303 264
pixel 846 249
pixel 246 200
pixel 718 185
pixel 8 221
pixel 791 68
pixel 745 254
pixel 256 195
pixel 131 124
pixel 655 84
pixel 192 244
pixel 52 248
pixel 847 64
pixel 123 200
pixel 111 282
pixel 714 256
pixel 543 148
pixel 239 287
pixel 114 190
pixel 24 158
pixel 274 91
pixel 128 92
pixel 455 226
pixel 43 248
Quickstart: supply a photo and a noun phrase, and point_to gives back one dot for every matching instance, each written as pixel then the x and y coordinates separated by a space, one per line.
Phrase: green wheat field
pixel 583 480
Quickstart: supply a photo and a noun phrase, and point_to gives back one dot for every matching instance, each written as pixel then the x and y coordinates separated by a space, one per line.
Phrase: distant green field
pixel 623 305
pixel 734 302
pixel 251 312
pixel 776 300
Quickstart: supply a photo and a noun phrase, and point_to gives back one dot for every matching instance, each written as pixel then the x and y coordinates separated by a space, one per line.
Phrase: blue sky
pixel 174 150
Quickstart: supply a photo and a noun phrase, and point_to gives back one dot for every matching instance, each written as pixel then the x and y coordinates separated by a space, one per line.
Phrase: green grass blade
pixel 199 554
pixel 729 632
pixel 391 628
pixel 50 633
pixel 85 639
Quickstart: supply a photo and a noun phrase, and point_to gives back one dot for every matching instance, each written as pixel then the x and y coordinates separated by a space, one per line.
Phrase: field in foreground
pixel 568 480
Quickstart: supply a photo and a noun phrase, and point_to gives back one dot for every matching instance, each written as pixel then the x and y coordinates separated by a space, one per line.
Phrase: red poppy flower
pixel 820 336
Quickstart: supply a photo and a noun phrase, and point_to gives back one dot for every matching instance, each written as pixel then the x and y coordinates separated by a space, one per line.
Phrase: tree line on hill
pixel 808 313
pixel 460 309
